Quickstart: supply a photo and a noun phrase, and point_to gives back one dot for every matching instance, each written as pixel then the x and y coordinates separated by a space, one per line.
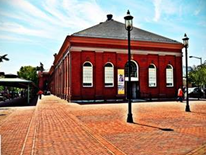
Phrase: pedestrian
pixel 180 95
pixel 40 92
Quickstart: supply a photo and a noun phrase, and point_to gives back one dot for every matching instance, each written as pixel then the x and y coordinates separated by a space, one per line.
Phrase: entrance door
pixel 134 90
pixel 135 93
pixel 134 74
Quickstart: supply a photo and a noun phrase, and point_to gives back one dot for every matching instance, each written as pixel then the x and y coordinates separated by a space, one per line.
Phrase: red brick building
pixel 43 78
pixel 92 64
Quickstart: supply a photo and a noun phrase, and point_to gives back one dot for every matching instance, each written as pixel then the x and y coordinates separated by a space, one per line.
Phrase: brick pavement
pixel 56 127
pixel 14 129
pixel 159 128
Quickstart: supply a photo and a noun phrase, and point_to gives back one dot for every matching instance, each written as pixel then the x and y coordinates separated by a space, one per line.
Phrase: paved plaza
pixel 56 127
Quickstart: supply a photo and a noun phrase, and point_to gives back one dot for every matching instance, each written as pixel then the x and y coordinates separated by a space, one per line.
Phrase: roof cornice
pixel 123 43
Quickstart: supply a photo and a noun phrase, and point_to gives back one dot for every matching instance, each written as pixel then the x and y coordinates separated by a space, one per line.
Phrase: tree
pixel 28 73
pixel 40 68
pixel 202 73
pixel 198 75
pixel 3 57
pixel 1 88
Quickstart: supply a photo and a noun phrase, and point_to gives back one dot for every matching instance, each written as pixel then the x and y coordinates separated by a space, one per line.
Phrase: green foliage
pixel 1 88
pixel 198 75
pixel 28 73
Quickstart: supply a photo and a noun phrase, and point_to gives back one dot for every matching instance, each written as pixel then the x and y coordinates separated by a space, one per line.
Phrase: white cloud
pixel 14 38
pixel 32 25
pixel 51 18
pixel 200 7
pixel 158 9
pixel 20 29
pixel 165 8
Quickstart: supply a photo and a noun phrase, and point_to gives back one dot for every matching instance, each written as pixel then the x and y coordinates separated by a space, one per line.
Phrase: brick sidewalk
pixel 56 127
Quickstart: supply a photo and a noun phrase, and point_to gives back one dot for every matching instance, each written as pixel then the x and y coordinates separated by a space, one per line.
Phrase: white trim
pixel 105 75
pixel 65 55
pixel 91 74
pixel 155 70
pixel 125 51
pixel 172 76
pixel 133 78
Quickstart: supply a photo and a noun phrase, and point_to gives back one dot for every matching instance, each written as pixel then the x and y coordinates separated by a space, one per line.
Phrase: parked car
pixel 195 92
pixel 47 92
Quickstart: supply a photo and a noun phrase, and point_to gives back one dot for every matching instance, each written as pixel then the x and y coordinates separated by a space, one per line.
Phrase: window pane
pixel 87 64
pixel 108 65
pixel 169 76
pixel 151 66
pixel 87 74
pixel 152 76
pixel 133 69
pixel 109 75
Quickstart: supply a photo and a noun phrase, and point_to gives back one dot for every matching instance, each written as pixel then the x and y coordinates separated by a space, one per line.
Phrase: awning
pixel 15 82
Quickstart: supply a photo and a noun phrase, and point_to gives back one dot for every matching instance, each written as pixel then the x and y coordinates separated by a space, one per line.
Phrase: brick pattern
pixel 99 59
pixel 14 129
pixel 159 128
pixel 56 127
pixel 49 129
pixel 57 133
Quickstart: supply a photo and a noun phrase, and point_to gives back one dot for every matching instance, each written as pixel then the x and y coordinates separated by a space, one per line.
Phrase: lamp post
pixel 185 43
pixel 199 75
pixel 129 26
pixel 197 58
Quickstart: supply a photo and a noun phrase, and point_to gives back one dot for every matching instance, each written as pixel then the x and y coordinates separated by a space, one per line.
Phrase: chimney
pixel 109 17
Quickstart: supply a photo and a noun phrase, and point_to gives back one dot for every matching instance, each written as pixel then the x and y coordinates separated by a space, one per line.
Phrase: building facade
pixel 93 64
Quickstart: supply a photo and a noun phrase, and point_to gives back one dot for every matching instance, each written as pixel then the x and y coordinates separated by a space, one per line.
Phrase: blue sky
pixel 31 31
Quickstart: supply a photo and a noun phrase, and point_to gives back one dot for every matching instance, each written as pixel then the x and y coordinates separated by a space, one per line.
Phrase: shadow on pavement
pixel 163 129
pixel 19 102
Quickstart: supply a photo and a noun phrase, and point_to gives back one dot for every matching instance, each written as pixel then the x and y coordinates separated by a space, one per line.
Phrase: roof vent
pixel 109 16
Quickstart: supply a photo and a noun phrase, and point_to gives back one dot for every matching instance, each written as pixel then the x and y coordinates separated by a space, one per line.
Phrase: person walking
pixel 40 92
pixel 180 95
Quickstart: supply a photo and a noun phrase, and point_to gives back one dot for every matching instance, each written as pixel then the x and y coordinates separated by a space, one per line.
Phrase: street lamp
pixel 197 58
pixel 129 26
pixel 186 44
pixel 199 75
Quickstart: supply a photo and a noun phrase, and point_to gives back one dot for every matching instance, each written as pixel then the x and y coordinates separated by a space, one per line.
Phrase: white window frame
pixel 110 75
pixel 169 76
pixel 87 71
pixel 152 76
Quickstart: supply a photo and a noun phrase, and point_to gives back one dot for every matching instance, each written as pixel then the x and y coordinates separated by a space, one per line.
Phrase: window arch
pixel 134 71
pixel 109 75
pixel 169 76
pixel 152 75
pixel 87 74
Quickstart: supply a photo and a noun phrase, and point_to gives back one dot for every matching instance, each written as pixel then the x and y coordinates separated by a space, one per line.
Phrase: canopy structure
pixel 17 82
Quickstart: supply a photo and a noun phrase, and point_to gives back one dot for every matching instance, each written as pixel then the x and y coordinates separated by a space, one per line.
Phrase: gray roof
pixel 115 30
pixel 15 82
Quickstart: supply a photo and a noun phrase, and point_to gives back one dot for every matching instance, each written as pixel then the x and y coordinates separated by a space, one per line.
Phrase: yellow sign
pixel 120 73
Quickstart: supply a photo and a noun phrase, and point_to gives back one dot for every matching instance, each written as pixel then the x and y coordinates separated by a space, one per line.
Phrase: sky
pixel 31 31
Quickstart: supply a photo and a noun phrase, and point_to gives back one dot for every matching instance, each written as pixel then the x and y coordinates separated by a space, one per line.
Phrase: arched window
pixel 152 73
pixel 109 75
pixel 134 71
pixel 87 74
pixel 169 76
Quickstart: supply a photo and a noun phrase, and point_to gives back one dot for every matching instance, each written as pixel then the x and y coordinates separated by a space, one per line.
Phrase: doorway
pixel 134 89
